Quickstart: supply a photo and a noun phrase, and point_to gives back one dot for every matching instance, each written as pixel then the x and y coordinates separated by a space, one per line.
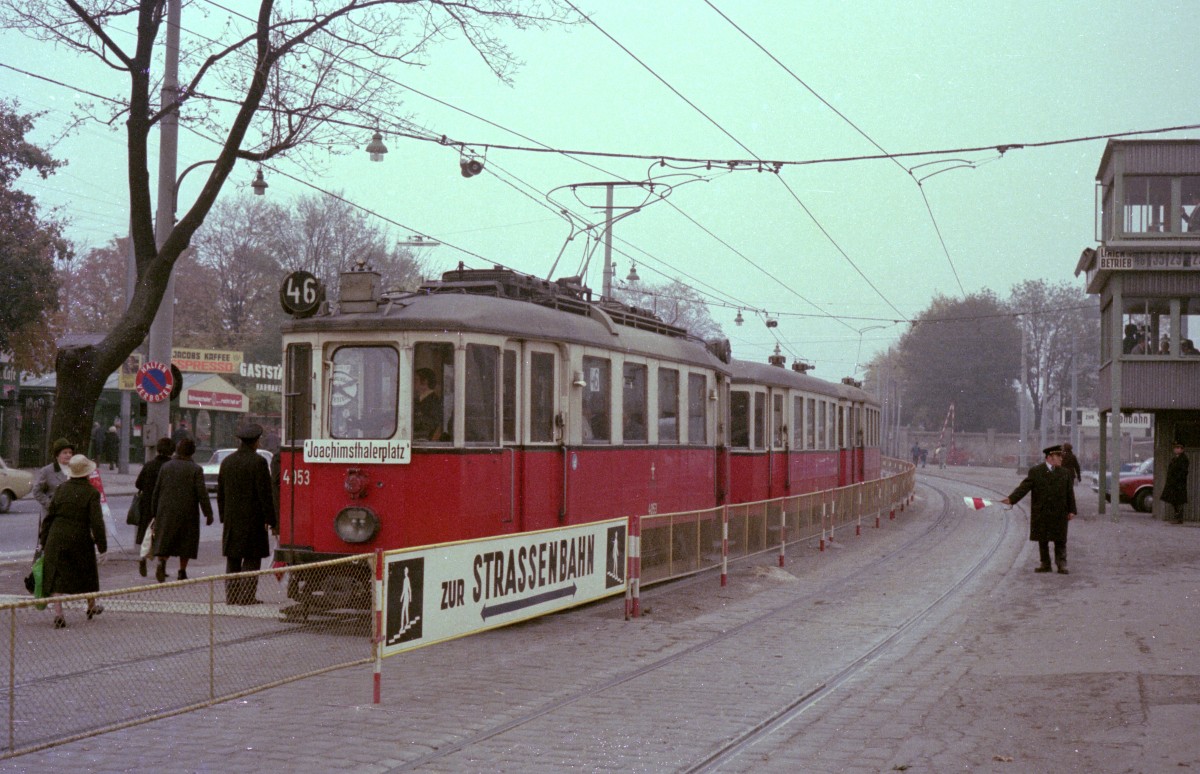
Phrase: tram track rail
pixel 780 717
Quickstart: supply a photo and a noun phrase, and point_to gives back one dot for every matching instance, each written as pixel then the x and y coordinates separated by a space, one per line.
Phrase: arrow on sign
pixel 520 604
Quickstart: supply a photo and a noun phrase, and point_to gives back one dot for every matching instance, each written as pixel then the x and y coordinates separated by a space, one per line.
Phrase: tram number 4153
pixel 301 477
pixel 301 294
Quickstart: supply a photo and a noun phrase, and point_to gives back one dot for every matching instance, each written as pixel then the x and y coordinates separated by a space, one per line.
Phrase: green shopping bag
pixel 36 572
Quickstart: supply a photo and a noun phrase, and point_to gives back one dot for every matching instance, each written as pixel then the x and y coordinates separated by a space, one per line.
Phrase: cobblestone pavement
pixel 1096 671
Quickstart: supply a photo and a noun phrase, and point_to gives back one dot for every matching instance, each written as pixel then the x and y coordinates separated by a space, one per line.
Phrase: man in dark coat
pixel 1175 490
pixel 179 497
pixel 146 480
pixel 1070 463
pixel 247 510
pixel 1053 507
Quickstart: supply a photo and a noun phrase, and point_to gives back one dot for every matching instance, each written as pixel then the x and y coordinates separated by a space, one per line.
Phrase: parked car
pixel 1137 486
pixel 213 466
pixel 14 484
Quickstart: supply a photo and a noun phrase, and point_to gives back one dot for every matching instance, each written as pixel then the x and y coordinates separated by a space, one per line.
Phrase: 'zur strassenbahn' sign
pixel 438 593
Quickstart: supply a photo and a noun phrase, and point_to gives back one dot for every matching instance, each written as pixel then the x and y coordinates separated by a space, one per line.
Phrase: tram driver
pixel 427 407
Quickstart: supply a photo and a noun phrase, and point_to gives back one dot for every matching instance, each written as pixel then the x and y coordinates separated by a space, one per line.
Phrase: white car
pixel 14 484
pixel 213 466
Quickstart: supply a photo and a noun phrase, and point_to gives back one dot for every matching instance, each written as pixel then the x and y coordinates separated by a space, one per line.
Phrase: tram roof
pixel 469 313
pixel 749 372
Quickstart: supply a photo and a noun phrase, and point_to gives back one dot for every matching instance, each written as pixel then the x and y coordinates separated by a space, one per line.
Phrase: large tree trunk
pixel 80 381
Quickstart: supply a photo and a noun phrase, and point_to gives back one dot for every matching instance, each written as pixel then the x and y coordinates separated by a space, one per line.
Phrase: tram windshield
pixel 363 392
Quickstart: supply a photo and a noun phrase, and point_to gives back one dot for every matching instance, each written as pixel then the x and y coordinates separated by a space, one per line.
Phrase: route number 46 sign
pixel 301 294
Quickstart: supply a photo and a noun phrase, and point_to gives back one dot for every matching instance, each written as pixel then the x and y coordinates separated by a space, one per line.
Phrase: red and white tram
pixel 492 402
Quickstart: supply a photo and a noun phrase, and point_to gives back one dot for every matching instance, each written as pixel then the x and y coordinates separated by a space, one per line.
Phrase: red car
pixel 1137 486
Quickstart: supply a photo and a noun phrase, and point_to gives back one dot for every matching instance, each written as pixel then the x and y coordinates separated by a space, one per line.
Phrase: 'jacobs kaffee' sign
pixel 211 361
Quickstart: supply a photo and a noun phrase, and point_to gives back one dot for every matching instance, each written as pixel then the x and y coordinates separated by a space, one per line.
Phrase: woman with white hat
pixel 71 533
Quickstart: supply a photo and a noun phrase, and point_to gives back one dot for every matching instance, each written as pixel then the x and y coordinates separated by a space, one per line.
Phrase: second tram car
pixel 492 402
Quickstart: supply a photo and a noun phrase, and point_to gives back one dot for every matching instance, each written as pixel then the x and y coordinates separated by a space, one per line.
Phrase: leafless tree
pixel 1062 332
pixel 674 303
pixel 287 74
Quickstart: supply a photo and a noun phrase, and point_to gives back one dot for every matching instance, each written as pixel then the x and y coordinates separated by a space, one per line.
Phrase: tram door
pixel 537 457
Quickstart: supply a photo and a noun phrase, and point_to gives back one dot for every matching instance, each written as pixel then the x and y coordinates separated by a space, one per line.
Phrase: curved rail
pixel 778 718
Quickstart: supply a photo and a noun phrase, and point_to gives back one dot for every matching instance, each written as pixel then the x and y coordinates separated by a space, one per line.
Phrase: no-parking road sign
pixel 154 382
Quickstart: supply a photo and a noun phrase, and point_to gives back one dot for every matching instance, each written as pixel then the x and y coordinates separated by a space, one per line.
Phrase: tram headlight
pixel 356 524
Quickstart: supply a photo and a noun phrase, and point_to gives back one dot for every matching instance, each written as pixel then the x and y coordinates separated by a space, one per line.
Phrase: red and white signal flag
pixel 978 503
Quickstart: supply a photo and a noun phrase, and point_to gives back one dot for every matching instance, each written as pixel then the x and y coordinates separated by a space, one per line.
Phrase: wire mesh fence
pixel 675 544
pixel 161 649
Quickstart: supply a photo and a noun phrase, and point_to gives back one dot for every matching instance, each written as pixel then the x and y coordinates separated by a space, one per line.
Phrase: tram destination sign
pixel 438 593
pixel 357 452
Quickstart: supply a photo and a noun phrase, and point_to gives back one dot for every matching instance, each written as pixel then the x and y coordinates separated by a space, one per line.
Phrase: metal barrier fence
pixel 676 544
pixel 168 648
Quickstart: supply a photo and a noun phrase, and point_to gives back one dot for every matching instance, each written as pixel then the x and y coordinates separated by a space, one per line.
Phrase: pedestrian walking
pixel 1053 507
pixel 916 454
pixel 72 533
pixel 179 497
pixel 112 443
pixel 97 441
pixel 1175 489
pixel 50 477
pixel 182 432
pixel 924 457
pixel 247 510
pixel 1070 463
pixel 147 478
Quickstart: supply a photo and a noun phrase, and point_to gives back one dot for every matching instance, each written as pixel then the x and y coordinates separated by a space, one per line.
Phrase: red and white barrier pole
pixel 782 534
pixel 822 527
pixel 633 598
pixel 378 644
pixel 724 545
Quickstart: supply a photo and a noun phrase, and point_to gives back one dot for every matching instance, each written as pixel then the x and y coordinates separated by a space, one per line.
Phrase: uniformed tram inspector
pixel 1053 507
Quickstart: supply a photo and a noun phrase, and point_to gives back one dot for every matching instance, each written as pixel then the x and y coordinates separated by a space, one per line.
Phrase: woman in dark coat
pixel 179 497
pixel 1175 489
pixel 72 532
pixel 146 480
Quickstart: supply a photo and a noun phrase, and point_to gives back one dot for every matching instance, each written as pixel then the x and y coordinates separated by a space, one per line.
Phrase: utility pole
pixel 608 224
pixel 1023 451
pixel 162 330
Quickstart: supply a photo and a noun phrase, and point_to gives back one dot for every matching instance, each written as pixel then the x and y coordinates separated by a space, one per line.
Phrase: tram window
pixel 363 388
pixel 821 420
pixel 760 421
pixel 840 428
pixel 668 405
pixel 739 419
pixel 810 423
pixel 298 393
pixel 778 422
pixel 697 409
pixel 541 397
pixel 509 414
pixel 597 400
pixel 482 407
pixel 633 403
pixel 433 392
pixel 797 422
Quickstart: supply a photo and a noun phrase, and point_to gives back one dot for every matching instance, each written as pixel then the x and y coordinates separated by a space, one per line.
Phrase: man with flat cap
pixel 247 510
pixel 1053 507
